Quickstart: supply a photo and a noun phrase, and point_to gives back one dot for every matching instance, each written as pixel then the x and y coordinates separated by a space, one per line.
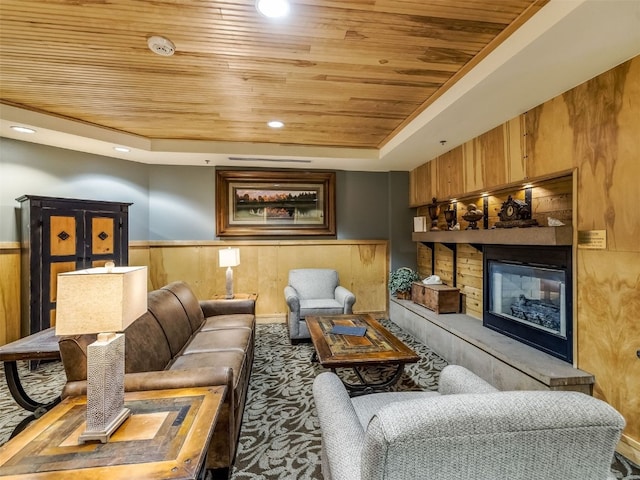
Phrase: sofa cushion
pixel 229 358
pixel 189 302
pixel 239 339
pixel 229 321
pixel 171 316
pixel 146 347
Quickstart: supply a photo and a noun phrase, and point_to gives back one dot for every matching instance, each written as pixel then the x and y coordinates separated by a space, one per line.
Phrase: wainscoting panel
pixel 9 292
pixel 363 267
pixel 264 266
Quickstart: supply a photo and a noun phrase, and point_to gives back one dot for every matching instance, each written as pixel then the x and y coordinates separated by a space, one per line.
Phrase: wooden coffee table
pixel 378 347
pixel 167 436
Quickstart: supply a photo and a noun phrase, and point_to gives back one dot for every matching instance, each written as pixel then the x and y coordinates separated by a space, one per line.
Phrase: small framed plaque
pixel 592 239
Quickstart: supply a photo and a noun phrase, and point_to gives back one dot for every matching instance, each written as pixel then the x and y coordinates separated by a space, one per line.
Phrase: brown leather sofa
pixel 183 342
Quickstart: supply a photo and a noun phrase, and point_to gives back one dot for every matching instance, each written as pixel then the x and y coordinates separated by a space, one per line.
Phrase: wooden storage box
pixel 439 298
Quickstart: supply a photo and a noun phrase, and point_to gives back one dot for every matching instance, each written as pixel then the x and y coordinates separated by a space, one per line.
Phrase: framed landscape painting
pixel 274 203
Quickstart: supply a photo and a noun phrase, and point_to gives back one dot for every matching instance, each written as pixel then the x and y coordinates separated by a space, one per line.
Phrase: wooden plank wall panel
pixel 264 267
pixel 370 276
pixel 553 199
pixel 449 174
pixel 9 294
pixel 515 148
pixel 492 156
pixel 444 264
pixel 421 184
pixel 549 139
pixel 469 279
pixel 596 126
pixel 424 260
pixel 495 158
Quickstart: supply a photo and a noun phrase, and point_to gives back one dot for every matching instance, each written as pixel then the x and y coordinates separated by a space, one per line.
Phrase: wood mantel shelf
pixel 501 236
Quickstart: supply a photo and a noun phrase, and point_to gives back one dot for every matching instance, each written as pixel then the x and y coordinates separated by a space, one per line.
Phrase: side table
pixel 39 346
pixel 237 296
pixel 167 436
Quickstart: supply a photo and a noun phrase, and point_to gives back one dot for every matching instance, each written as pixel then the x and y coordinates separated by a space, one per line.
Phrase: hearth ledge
pixel 502 361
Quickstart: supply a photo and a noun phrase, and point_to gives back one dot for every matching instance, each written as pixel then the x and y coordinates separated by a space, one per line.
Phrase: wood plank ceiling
pixel 338 73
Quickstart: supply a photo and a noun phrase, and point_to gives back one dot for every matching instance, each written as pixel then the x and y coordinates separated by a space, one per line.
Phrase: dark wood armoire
pixel 60 235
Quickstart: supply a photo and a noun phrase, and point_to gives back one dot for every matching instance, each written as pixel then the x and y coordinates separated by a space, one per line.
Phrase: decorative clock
pixel 515 213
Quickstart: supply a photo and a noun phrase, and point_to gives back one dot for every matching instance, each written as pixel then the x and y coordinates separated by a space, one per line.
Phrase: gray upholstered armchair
pixel 314 291
pixel 465 430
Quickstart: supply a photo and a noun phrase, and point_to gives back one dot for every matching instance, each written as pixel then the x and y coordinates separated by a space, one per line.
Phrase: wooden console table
pixel 167 436
pixel 39 346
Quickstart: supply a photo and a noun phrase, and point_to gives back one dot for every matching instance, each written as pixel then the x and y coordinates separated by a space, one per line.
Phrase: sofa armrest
pixel 212 308
pixel 292 298
pixel 455 379
pixel 345 297
pixel 166 379
pixel 342 433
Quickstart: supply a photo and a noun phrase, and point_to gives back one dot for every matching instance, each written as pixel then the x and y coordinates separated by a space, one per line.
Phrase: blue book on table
pixel 345 330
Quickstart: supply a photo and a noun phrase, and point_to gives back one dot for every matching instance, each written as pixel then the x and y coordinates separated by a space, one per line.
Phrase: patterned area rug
pixel 280 436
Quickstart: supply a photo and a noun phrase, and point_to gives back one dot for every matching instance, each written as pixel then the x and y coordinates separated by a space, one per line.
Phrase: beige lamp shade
pixel 99 300
pixel 229 257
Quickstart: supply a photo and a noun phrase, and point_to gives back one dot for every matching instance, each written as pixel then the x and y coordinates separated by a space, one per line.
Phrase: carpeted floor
pixel 280 438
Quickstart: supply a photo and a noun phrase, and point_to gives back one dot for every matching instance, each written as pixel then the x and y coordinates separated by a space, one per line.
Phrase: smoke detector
pixel 161 46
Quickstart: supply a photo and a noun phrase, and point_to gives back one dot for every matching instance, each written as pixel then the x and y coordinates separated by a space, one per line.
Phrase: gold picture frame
pixel 269 203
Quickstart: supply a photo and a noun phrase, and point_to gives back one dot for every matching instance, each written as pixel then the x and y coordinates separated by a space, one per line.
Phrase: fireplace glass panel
pixel 530 295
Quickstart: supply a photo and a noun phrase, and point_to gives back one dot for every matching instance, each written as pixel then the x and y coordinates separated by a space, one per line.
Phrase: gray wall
pixel 28 168
pixel 401 222
pixel 178 202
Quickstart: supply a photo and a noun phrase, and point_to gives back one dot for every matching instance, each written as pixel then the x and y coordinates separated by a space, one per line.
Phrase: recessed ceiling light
pixel 20 129
pixel 121 149
pixel 273 8
pixel 275 124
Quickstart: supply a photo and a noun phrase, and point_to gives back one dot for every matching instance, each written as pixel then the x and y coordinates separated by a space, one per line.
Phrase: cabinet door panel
pixel 102 235
pixel 55 269
pixel 62 235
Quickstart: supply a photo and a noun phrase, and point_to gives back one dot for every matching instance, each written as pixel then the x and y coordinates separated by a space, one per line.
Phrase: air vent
pixel 275 160
pixel 161 46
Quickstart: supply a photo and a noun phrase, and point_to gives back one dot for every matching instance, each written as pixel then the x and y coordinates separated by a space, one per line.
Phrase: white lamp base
pixel 229 283
pixel 105 387
pixel 103 435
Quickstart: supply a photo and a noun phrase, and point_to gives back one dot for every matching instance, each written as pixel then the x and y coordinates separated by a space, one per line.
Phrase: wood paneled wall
pixel 493 160
pixel 9 292
pixel 592 130
pixel 264 266
pixel 363 267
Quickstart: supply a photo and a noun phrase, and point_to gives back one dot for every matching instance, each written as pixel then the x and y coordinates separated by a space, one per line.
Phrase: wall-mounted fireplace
pixel 528 296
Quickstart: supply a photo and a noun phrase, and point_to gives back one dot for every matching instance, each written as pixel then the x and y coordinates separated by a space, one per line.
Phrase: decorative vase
pixel 434 211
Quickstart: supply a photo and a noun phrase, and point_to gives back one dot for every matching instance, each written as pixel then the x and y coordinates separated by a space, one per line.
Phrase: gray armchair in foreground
pixel 466 430
pixel 314 291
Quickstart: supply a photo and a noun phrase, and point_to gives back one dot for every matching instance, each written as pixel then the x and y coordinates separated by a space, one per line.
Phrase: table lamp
pixel 229 257
pixel 102 300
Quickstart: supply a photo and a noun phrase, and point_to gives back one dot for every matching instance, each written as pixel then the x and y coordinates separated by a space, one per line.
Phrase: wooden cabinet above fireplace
pixel 500 236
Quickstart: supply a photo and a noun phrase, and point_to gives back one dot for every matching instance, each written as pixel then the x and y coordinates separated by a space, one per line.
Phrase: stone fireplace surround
pixel 502 361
